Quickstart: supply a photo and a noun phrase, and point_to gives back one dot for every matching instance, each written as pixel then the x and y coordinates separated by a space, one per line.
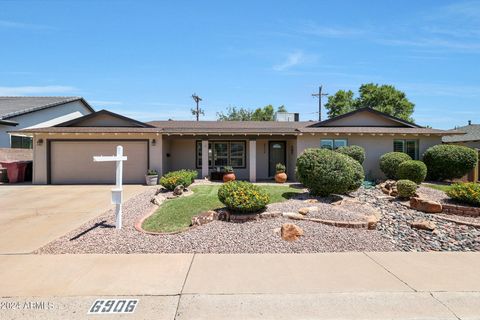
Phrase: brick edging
pixel 139 223
pixel 460 210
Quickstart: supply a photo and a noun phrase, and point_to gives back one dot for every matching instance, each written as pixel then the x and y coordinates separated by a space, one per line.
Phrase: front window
pixel 223 153
pixel 409 147
pixel 333 144
pixel 21 142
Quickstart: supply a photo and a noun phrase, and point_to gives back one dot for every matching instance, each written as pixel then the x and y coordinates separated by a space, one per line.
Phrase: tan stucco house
pixel 63 153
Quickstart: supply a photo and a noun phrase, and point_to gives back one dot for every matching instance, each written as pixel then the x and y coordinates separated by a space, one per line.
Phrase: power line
pixel 319 96
pixel 197 112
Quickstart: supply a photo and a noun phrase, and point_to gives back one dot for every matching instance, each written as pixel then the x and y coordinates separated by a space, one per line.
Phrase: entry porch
pixel 252 157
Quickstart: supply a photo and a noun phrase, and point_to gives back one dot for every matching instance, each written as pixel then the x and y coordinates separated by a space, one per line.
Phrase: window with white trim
pixel 409 147
pixel 223 153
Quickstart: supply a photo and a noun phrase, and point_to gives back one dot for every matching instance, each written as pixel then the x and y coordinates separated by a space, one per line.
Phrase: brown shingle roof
pixel 90 130
pixel 229 126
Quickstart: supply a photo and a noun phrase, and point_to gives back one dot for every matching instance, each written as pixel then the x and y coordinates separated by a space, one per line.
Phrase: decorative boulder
pixel 290 232
pixel 204 218
pixel 178 191
pixel 425 205
pixel 423 225
pixel 293 215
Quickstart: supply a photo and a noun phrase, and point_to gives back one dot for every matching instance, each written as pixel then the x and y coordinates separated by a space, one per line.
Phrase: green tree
pixel 235 114
pixel 384 98
pixel 242 114
pixel 339 103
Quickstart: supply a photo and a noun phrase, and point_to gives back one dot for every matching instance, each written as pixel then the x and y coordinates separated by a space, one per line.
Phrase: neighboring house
pixel 63 153
pixel 471 138
pixel 34 112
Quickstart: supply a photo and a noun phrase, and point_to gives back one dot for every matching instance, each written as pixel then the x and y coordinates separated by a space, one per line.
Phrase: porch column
pixel 204 158
pixel 252 152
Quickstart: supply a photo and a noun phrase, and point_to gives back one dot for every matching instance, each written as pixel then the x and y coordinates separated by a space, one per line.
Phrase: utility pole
pixel 319 95
pixel 197 112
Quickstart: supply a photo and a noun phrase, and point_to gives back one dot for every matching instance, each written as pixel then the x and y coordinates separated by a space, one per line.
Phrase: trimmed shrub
pixel 390 162
pixel 176 178
pixel 446 161
pixel 465 192
pixel 406 188
pixel 355 152
pixel 413 170
pixel 324 172
pixel 243 197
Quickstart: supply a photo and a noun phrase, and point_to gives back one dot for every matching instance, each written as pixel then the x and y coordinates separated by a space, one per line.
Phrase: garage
pixel 71 161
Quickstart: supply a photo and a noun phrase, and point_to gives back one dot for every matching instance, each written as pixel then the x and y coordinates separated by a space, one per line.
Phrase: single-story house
pixel 18 113
pixel 470 139
pixel 63 153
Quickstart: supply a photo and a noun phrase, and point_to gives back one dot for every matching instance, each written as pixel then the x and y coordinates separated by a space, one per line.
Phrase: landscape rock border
pixel 158 201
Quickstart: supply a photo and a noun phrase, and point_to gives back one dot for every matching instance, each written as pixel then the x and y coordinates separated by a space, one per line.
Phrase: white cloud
pixel 38 90
pixel 331 32
pixel 293 59
pixel 21 25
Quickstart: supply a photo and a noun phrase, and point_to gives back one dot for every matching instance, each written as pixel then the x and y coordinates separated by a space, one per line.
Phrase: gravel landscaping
pixel 393 233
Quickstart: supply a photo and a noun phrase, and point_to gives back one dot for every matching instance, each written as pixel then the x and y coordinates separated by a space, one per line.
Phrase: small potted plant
pixel 151 178
pixel 229 175
pixel 280 176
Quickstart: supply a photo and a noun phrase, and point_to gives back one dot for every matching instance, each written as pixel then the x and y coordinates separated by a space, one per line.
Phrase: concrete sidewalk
pixel 302 286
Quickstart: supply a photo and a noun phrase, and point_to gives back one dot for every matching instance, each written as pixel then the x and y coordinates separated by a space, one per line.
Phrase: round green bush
pixel 465 193
pixel 446 161
pixel 243 197
pixel 176 178
pixel 355 152
pixel 390 162
pixel 413 170
pixel 324 172
pixel 406 188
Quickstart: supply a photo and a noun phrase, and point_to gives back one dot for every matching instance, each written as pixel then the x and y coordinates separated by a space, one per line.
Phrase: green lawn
pixel 176 214
pixel 441 187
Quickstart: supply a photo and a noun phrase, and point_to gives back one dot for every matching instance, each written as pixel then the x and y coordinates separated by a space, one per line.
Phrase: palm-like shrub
pixel 390 162
pixel 324 172
pixel 465 192
pixel 446 161
pixel 177 178
pixel 355 152
pixel 406 188
pixel 243 197
pixel 413 170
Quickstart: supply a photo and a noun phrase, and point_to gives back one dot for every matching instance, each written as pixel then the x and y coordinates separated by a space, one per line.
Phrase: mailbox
pixel 117 196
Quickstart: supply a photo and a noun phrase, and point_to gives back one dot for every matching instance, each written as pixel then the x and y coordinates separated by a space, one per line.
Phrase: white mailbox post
pixel 118 190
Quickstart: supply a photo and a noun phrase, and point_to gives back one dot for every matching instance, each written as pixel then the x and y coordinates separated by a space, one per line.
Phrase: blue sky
pixel 145 59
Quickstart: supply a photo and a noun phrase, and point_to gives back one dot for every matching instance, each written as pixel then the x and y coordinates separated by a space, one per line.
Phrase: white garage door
pixel 71 162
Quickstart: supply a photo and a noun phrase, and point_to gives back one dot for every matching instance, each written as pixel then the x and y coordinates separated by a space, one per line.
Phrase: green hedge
pixel 465 192
pixel 176 178
pixel 446 161
pixel 243 197
pixel 324 172
pixel 406 188
pixel 413 170
pixel 390 162
pixel 355 152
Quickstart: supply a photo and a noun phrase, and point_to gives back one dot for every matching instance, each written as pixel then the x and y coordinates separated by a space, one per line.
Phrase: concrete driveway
pixel 32 216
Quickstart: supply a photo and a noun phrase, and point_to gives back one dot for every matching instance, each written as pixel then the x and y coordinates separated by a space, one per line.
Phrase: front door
pixel 276 154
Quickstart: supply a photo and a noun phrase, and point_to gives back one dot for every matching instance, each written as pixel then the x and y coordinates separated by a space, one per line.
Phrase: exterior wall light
pixel 154 142
pixel 39 142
